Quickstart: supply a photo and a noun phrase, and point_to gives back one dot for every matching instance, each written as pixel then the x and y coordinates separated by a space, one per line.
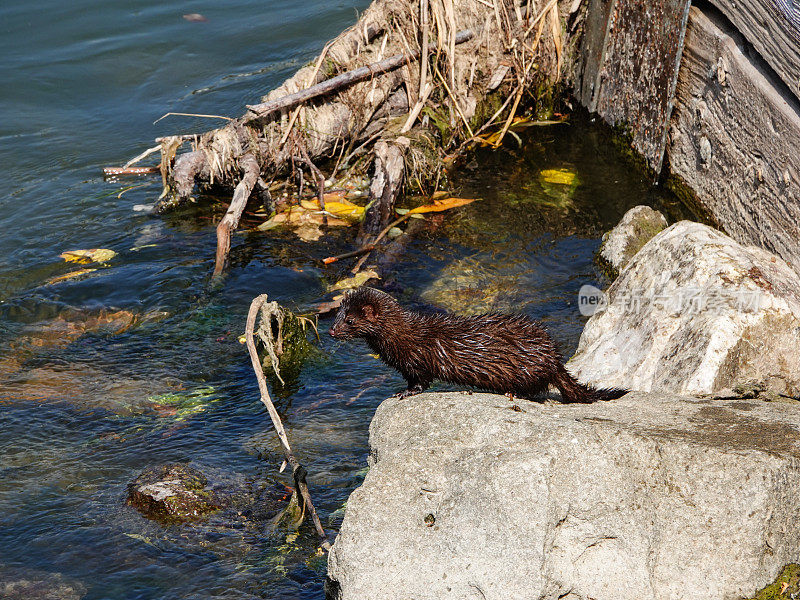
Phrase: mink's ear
pixel 370 314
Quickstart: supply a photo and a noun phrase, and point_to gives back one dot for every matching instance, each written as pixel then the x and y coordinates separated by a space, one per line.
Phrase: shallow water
pixel 137 363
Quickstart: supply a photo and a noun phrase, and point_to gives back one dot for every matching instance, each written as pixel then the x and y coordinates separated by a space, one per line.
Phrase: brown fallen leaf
pixel 440 205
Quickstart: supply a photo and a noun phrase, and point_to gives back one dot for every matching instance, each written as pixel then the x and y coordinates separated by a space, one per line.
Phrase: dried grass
pixel 448 80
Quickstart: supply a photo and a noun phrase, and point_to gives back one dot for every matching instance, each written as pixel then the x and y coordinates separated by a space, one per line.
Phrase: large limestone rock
pixel 646 497
pixel 694 312
pixel 635 229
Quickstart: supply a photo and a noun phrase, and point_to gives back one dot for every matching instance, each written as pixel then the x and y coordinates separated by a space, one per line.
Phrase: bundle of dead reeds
pixel 426 78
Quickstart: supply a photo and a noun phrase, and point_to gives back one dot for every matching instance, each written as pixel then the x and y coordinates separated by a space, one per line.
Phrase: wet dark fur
pixel 500 353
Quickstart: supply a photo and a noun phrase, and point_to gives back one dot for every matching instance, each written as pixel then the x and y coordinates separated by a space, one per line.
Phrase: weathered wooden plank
pixel 639 69
pixel 735 137
pixel 773 28
pixel 595 30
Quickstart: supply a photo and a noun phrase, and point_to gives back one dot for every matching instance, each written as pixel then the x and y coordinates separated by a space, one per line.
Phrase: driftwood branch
pixel 265 109
pixel 298 471
pixel 251 172
pixel 384 189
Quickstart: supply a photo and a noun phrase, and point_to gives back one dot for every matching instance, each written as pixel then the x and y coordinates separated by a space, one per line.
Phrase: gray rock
pixel 694 312
pixel 646 497
pixel 634 230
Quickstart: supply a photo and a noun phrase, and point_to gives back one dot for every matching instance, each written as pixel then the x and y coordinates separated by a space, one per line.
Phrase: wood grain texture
pixel 735 137
pixel 595 31
pixel 773 28
pixel 639 68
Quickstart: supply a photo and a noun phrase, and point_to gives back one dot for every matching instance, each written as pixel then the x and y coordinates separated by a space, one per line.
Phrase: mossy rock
pixel 786 586
pixel 296 350
pixel 172 493
pixel 637 227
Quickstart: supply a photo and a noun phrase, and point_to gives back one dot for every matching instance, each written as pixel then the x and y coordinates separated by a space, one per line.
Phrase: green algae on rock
pixel 172 493
pixel 785 587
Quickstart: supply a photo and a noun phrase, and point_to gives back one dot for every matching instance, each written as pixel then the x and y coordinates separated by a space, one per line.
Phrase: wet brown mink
pixel 495 352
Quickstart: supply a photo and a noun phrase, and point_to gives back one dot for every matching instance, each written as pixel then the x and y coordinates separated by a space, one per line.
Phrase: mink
pixel 507 354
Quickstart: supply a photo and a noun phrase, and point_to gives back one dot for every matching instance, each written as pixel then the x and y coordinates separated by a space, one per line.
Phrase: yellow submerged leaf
pixel 355 281
pixel 440 205
pixel 339 207
pixel 559 176
pixel 99 255
pixel 69 275
pixel 308 213
pixel 308 232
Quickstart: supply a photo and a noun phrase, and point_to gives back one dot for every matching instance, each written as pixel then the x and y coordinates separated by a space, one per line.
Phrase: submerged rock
pixel 634 230
pixel 650 496
pixel 28 584
pixel 172 493
pixel 694 312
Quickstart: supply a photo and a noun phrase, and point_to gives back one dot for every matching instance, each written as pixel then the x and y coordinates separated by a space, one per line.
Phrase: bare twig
pixel 142 156
pixel 517 98
pixel 180 114
pixel 298 470
pixel 265 109
pixel 521 79
pixel 338 257
pixel 539 17
pixel 370 247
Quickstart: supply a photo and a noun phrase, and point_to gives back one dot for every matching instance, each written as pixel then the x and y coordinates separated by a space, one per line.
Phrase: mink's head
pixel 364 313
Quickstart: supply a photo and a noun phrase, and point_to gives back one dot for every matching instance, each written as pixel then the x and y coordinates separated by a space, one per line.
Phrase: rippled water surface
pixel 137 363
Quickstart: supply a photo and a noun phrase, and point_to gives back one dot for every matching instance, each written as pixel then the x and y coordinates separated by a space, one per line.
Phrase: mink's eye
pixel 350 321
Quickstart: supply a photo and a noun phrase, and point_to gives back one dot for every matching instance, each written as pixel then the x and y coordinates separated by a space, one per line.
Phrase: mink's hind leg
pixel 415 386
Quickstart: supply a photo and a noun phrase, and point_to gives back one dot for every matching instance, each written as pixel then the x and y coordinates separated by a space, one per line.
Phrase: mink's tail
pixel 574 391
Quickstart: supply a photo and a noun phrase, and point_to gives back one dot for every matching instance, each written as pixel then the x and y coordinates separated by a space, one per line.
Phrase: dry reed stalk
pixel 453 99
pixel 539 17
pixel 309 83
pixel 298 471
pixel 521 80
pixel 423 67
pixel 449 13
pixel 424 88
pixel 555 29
